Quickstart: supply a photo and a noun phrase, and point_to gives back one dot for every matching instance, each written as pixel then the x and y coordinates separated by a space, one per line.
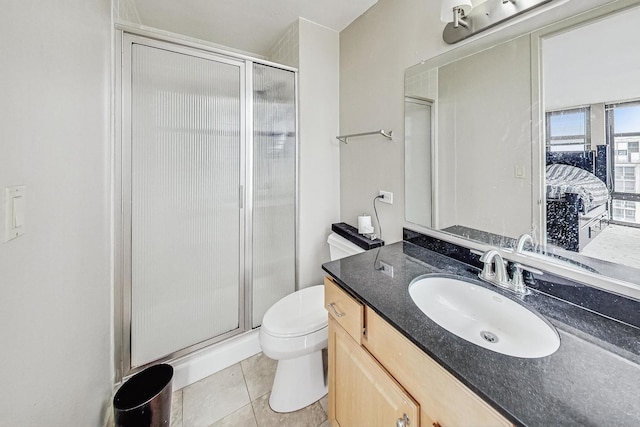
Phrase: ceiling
pixel 250 25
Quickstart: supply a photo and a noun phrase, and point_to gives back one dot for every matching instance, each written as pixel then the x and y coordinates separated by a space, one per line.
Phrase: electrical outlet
pixel 386 268
pixel 387 197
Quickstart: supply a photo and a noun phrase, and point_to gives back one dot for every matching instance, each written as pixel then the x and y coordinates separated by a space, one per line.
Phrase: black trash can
pixel 145 399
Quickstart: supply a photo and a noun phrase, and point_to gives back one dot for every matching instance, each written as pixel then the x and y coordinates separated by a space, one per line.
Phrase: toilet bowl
pixel 294 332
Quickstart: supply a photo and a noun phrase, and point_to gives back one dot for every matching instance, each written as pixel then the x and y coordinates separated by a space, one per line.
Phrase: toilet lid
pixel 299 313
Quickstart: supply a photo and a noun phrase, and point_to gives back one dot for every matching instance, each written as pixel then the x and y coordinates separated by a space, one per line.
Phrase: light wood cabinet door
pixel 361 392
pixel 444 401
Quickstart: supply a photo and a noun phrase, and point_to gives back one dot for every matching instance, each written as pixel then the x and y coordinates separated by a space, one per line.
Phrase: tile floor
pixel 239 396
pixel 616 243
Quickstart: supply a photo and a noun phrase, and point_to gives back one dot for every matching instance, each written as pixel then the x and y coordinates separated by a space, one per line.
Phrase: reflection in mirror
pixel 491 153
pixel 417 151
pixel 592 117
pixel 484 151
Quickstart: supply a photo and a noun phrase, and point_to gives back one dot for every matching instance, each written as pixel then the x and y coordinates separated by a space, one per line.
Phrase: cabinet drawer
pixel 348 312
pixel 443 399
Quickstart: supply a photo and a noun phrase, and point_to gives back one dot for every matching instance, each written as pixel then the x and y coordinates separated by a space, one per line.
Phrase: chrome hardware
pixel 522 240
pixel 345 138
pixel 335 310
pixel 495 272
pixel 517 281
pixel 487 14
pixel 404 421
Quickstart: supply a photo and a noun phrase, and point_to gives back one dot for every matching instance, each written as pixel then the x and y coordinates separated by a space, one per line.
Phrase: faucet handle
pixel 517 280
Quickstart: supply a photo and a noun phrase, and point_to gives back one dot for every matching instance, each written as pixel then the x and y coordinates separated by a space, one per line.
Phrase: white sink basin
pixel 484 317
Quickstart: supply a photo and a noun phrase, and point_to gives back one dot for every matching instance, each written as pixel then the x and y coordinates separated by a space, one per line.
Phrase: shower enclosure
pixel 206 176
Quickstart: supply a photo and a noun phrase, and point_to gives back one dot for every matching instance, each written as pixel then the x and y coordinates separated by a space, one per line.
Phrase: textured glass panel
pixel 185 175
pixel 274 161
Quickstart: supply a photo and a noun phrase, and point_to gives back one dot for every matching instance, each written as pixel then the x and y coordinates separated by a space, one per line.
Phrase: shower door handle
pixel 241 191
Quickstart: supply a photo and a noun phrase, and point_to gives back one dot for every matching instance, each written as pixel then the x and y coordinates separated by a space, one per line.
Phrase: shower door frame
pixel 125 37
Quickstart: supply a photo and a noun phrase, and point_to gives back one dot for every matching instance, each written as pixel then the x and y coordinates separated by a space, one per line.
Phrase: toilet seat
pixel 298 314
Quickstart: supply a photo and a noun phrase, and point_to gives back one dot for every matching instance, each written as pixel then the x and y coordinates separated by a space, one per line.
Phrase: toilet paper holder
pixel 365 227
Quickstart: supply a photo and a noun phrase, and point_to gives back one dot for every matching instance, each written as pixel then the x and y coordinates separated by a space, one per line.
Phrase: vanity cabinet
pixel 377 377
pixel 361 391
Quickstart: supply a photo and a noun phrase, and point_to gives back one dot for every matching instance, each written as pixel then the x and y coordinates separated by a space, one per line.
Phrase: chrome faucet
pixel 522 240
pixel 495 272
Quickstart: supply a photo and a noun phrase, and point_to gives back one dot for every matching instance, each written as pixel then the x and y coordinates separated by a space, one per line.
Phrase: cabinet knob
pixel 436 424
pixel 404 421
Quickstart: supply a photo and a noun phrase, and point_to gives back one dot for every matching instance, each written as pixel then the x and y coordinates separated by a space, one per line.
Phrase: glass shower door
pixel 274 187
pixel 186 170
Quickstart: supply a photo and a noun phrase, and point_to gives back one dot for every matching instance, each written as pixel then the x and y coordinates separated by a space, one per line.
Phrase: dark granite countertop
pixel 592 380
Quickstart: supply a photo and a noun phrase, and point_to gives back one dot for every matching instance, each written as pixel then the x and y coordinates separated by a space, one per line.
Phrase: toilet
pixel 294 332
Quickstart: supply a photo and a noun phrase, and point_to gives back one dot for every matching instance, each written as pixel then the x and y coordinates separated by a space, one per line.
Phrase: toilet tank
pixel 339 247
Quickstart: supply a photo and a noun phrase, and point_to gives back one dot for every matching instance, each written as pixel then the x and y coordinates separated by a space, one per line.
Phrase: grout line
pixel 253 410
pixel 244 378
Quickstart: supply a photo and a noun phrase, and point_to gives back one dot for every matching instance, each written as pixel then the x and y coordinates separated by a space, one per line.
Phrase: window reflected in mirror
pixel 623 135
pixel 568 130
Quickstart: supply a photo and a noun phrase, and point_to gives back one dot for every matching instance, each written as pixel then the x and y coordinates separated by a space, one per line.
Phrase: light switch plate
pixel 15 202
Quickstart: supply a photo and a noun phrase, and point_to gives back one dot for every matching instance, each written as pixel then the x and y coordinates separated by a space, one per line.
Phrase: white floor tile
pixel 214 397
pixel 242 417
pixel 259 372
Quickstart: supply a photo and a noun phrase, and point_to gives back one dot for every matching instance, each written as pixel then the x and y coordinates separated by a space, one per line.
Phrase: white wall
pixel 374 52
pixel 55 280
pixel 593 64
pixel 319 149
pixel 287 50
pixel 484 131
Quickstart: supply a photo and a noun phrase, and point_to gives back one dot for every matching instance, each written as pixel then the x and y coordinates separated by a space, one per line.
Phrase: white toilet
pixel 294 332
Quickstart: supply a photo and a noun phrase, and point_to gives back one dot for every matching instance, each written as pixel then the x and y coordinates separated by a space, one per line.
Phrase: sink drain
pixel 489 337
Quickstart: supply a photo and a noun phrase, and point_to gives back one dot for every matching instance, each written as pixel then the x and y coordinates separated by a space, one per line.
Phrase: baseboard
pixel 196 366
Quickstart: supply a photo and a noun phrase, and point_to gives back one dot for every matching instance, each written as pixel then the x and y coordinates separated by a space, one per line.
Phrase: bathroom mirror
pixel 493 110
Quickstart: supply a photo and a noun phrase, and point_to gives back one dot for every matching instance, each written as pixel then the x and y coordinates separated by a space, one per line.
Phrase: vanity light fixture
pixel 468 20
pixel 459 8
